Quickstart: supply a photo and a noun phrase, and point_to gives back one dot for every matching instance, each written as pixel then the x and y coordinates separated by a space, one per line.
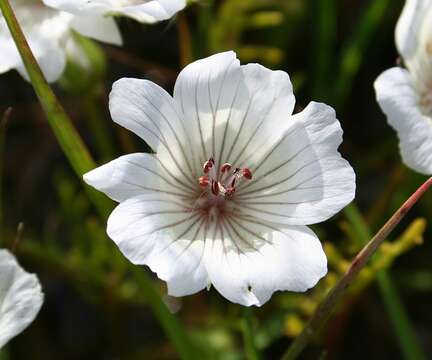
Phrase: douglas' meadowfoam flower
pixel 146 11
pixel 49 33
pixel 234 179
pixel 20 297
pixel 405 95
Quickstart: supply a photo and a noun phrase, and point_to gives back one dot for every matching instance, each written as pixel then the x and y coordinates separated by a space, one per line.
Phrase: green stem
pixel 61 124
pixel 395 309
pixel 251 350
pixel 325 308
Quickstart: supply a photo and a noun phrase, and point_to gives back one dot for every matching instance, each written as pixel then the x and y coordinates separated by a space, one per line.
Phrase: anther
pixel 203 181
pixel 215 187
pixel 225 167
pixel 208 165
pixel 247 173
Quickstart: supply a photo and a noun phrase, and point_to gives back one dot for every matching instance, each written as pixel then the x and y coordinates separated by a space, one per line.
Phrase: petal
pixel 302 179
pixel 150 112
pixel 225 104
pixel 143 11
pixel 20 297
pixel 43 28
pixel 135 174
pixel 409 26
pixel 159 231
pixel 150 11
pixel 399 100
pixel 9 57
pixel 97 27
pixel 288 259
pixel 49 55
pixel 80 7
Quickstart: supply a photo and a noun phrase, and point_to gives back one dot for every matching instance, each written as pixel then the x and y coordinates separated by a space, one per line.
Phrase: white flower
pixel 20 297
pixel 405 95
pixel 146 11
pixel 48 32
pixel 234 180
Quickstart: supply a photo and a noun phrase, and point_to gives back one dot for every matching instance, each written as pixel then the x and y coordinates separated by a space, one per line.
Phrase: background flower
pixel 405 95
pixel 234 180
pixel 146 11
pixel 49 33
pixel 21 297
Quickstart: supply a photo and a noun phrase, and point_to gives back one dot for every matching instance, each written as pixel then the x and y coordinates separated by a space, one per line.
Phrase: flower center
pixel 222 182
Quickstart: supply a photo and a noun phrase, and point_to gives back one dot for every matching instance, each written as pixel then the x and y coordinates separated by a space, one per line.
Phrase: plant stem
pixel 393 305
pixel 185 40
pixel 324 310
pixel 251 350
pixel 66 134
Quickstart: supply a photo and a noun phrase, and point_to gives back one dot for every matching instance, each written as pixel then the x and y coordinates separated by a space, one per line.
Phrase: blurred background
pixel 99 306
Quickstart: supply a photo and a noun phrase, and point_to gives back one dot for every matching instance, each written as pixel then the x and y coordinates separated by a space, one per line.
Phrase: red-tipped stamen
pixel 247 173
pixel 223 183
pixel 207 166
pixel 215 187
pixel 225 167
pixel 204 181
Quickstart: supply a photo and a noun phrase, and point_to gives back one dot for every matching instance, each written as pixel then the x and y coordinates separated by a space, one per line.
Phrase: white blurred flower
pixel 234 180
pixel 48 32
pixel 405 95
pixel 21 297
pixel 146 11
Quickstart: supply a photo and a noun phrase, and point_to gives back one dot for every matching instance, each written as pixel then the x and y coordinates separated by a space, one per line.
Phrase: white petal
pixel 20 297
pixel 135 174
pixel 51 59
pixel 9 57
pixel 44 29
pixel 399 100
pixel 160 231
pixel 288 259
pixel 409 26
pixel 97 27
pixel 150 112
pixel 228 107
pixel 143 11
pixel 150 11
pixel 302 179
pixel 258 115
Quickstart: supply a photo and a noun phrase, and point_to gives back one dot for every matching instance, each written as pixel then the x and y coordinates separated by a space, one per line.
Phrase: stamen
pixel 208 165
pixel 247 173
pixel 223 183
pixel 204 181
pixel 225 167
pixel 215 187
